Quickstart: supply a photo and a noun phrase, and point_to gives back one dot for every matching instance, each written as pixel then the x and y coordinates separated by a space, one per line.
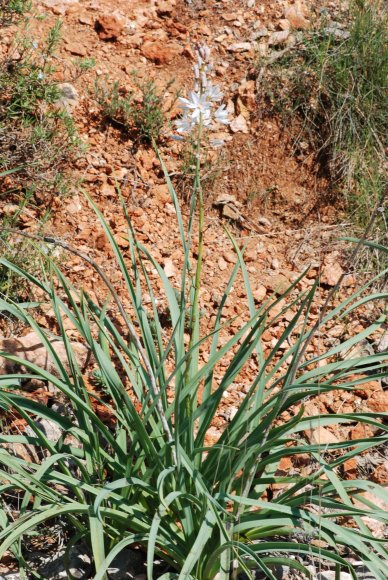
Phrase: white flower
pixel 195 102
pixel 221 115
pixel 204 53
pixel 184 125
pixel 214 93
pixel 198 108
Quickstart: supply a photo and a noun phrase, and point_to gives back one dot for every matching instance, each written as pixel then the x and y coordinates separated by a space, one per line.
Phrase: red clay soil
pixel 287 217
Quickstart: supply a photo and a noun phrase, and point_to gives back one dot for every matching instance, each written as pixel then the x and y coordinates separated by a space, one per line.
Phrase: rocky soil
pixel 272 196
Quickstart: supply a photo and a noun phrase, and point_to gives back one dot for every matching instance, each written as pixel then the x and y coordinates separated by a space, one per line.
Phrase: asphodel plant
pixel 149 478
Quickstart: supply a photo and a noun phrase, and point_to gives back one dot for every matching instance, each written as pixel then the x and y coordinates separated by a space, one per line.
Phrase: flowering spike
pixel 199 107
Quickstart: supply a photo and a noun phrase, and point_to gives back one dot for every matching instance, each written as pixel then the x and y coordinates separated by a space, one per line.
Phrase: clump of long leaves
pixel 149 478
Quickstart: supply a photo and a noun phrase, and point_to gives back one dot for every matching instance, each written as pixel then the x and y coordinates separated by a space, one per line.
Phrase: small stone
pixel 68 96
pixel 336 331
pixel 30 348
pixel 378 402
pixel 109 27
pixel 76 48
pixel 380 474
pixel 121 239
pixel 222 264
pixel 239 47
pixel 216 298
pixel 230 413
pixel 284 24
pixel 263 221
pixel 366 390
pixel 260 293
pixel 59 7
pixel 50 429
pixel 296 18
pixel 337 32
pixel 239 125
pixel 278 283
pixel 247 94
pixel 361 431
pixel 160 52
pixel 169 268
pixel 279 37
pixel 383 344
pixel 250 255
pixel 321 436
pixel 85 19
pixel 351 468
pixel 230 257
pixel 164 8
pixel 331 272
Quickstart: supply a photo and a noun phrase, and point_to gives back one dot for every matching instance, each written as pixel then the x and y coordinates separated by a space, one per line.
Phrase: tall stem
pixel 197 279
pixel 194 319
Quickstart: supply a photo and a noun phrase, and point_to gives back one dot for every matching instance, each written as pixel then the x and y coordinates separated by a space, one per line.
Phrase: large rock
pixel 109 26
pixel 30 348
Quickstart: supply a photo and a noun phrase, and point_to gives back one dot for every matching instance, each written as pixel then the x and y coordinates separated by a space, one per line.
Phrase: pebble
pixel 239 125
pixel 296 18
pixel 76 48
pixel 260 293
pixel 68 96
pixel 169 268
pixel 160 52
pixel 49 428
pixel 383 344
pixel 239 47
pixel 279 37
pixel 278 283
pixel 331 272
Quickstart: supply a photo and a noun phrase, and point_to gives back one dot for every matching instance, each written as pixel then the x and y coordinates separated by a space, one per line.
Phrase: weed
pixel 139 112
pixel 82 66
pixel 11 10
pixel 36 135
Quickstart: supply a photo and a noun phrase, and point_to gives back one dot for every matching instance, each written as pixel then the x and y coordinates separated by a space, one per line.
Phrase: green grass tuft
pixel 335 80
pixel 142 115
pixel 12 10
